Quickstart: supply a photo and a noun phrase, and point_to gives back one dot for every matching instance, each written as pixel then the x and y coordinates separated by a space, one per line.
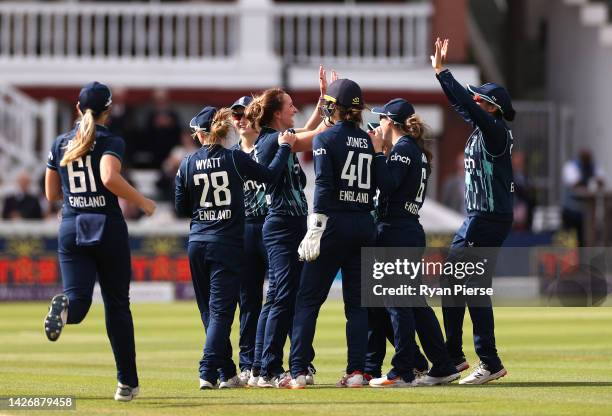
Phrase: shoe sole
pixel 495 376
pixel 53 321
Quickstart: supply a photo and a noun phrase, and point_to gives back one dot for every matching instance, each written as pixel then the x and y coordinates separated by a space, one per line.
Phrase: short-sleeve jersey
pixel 81 183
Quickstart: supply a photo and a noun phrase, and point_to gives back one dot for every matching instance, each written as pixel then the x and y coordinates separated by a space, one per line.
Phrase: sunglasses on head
pixel 237 116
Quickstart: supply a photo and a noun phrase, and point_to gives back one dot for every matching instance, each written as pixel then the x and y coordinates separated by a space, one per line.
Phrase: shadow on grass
pixel 549 384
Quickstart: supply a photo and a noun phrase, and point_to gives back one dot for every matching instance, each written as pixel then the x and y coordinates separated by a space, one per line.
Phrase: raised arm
pixel 464 103
pixel 315 117
pixel 324 176
pixel 249 169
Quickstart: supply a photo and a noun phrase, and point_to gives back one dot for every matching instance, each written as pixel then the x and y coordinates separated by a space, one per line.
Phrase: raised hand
pixel 377 139
pixel 323 79
pixel 439 57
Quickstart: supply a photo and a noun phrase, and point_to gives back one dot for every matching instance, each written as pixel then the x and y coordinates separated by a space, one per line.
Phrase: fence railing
pixel 353 33
pixel 198 32
pixel 27 129
pixel 115 30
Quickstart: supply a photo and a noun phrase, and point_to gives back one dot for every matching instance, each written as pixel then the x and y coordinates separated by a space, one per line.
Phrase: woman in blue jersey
pixel 337 230
pixel 489 204
pixel 255 255
pixel 84 170
pixel 403 184
pixel 209 188
pixel 271 113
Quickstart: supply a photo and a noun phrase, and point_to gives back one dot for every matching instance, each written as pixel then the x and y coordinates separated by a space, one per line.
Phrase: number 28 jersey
pixel 344 170
pixel 81 183
pixel 209 187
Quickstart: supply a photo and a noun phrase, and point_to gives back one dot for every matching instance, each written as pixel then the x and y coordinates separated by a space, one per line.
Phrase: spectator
pixel 163 129
pixel 453 191
pixel 23 204
pixel 579 175
pixel 121 122
pixel 169 167
pixel 524 194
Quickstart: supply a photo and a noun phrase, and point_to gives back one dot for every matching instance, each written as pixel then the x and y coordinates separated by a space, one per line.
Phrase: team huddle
pixel 249 222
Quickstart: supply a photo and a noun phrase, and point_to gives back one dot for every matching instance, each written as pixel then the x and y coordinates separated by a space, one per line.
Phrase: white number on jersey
pixel 419 196
pixel 74 175
pixel 364 162
pixel 221 192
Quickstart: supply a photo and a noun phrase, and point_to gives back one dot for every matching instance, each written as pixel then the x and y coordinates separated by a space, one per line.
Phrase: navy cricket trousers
pixel 110 262
pixel 216 273
pixel 407 232
pixel 254 273
pixel 341 243
pixel 474 232
pixel 282 236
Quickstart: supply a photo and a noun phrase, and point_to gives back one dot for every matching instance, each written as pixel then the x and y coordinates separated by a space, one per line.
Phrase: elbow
pixel 107 179
pixel 53 196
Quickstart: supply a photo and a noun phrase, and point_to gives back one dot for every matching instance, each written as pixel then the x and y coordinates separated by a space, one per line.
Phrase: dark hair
pixel 260 112
pixel 352 114
pixel 416 128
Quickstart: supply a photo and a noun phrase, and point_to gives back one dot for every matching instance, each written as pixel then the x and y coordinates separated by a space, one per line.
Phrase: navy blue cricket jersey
pixel 254 193
pixel 209 186
pixel 284 196
pixel 489 183
pixel 343 164
pixel 404 184
pixel 81 183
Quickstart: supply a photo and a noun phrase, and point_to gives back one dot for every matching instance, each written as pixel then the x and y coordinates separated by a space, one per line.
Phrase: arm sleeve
pixel 181 197
pixel 324 175
pixel 116 147
pixel 396 169
pixel 494 132
pixel 52 162
pixel 247 168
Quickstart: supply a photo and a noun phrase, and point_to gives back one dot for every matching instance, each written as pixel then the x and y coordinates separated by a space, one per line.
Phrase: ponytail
pixel 260 112
pixel 83 140
pixel 220 127
pixel 417 129
pixel 352 114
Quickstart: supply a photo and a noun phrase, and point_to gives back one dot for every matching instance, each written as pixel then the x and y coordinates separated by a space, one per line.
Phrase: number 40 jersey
pixel 344 169
pixel 81 183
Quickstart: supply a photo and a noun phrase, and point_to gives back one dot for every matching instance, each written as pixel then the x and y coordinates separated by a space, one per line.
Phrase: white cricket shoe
pixel 353 380
pixel 427 380
pixel 207 385
pixel 245 376
pixel 300 382
pixel 253 381
pixel 397 382
pixel 126 393
pixel 233 383
pixel 266 382
pixel 482 375
pixel 310 375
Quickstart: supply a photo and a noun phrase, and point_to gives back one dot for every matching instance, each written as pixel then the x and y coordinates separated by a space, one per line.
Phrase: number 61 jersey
pixel 81 183
pixel 343 162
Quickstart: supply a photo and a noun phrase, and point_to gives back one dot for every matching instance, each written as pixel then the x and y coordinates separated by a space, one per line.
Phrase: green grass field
pixel 559 363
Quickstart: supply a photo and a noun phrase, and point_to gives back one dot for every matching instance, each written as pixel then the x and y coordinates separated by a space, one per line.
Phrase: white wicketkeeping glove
pixel 310 247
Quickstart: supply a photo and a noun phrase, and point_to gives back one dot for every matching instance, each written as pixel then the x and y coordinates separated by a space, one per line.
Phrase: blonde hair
pixel 260 112
pixel 416 128
pixel 219 128
pixel 83 140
